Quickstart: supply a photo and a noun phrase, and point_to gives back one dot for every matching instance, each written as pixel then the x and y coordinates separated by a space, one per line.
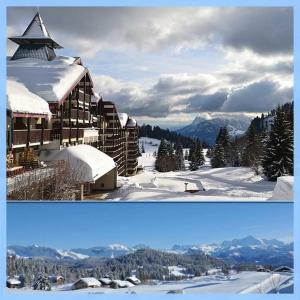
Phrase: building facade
pixel 55 106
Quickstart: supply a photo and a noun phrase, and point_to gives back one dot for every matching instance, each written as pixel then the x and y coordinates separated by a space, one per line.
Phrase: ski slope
pixel 231 183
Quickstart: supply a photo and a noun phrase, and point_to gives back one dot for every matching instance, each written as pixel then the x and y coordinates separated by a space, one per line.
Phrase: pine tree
pixel 224 140
pixel 251 155
pixel 199 154
pixel 193 166
pixel 179 157
pixel 278 154
pixel 165 159
pixel 218 156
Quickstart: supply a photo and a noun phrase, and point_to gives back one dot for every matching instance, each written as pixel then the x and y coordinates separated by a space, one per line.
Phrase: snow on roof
pixel 90 281
pixel 123 283
pixel 131 122
pixel 13 281
pixel 51 80
pixel 95 97
pixel 21 100
pixel 123 119
pixel 89 162
pixel 105 280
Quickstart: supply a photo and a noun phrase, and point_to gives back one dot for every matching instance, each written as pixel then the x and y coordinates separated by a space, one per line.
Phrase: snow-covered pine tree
pixel 42 283
pixel 278 155
pixel 218 156
pixel 224 140
pixel 199 154
pixel 193 166
pixel 179 157
pixel 251 155
pixel 165 159
pixel 192 150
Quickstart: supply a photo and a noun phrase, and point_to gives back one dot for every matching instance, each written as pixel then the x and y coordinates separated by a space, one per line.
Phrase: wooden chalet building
pixel 51 105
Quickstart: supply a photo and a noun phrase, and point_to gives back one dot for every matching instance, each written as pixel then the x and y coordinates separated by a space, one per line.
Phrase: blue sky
pixel 166 65
pixel 65 225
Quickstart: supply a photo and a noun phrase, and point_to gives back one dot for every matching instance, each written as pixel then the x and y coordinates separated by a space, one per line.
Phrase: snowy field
pixel 232 183
pixel 241 283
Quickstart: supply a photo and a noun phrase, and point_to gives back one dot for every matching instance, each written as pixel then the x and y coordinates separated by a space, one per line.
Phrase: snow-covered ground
pixel 244 282
pixel 232 183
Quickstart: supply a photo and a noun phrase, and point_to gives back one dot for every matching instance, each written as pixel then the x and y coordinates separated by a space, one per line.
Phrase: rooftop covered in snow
pixel 21 101
pixel 88 162
pixel 50 80
pixel 131 122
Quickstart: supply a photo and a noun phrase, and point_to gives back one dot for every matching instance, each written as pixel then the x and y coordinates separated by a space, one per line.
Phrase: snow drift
pixel 283 188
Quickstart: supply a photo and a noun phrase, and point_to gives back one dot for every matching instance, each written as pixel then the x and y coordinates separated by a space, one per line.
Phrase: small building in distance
pixel 13 283
pixel 284 269
pixel 56 279
pixel 86 282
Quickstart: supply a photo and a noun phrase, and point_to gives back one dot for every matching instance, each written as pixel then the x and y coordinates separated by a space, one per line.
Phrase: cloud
pixel 257 97
pixel 92 29
pixel 173 94
pixel 194 60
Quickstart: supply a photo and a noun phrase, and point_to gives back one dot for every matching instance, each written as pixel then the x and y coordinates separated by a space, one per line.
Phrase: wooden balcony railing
pixel 20 136
pixel 81 114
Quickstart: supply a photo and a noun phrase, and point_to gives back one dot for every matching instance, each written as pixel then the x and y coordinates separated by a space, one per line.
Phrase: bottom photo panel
pixel 150 248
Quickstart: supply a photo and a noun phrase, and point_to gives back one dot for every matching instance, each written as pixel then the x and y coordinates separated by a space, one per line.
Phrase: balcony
pixel 67 132
pixel 20 137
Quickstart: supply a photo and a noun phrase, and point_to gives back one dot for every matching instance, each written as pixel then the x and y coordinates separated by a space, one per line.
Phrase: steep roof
pixel 36 33
pixel 50 80
pixel 21 100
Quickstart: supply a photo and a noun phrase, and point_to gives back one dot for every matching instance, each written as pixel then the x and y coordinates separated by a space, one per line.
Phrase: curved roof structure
pixel 88 162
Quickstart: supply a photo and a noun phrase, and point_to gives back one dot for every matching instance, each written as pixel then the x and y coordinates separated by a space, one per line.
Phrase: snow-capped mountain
pixel 113 250
pixel 244 250
pixel 207 129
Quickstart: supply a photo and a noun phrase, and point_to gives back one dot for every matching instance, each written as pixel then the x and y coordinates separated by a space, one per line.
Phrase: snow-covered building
pixel 63 82
pixel 90 167
pixel 86 282
pixel 51 105
pixel 27 120
pixel 284 269
pixel 118 137
pixel 13 283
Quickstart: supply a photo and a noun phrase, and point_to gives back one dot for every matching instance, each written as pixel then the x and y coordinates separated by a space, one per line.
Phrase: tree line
pixel 266 147
pixel 156 132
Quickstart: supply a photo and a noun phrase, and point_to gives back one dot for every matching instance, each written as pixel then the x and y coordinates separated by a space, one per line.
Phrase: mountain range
pixel 244 250
pixel 207 129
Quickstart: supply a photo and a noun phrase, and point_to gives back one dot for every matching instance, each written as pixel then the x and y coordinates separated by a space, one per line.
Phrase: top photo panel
pixel 150 104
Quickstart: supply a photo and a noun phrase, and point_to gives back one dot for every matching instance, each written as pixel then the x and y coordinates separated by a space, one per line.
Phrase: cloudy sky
pixel 167 65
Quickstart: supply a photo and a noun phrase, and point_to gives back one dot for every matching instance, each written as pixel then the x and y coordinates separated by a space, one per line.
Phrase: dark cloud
pixel 207 103
pixel 257 97
pixel 90 29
